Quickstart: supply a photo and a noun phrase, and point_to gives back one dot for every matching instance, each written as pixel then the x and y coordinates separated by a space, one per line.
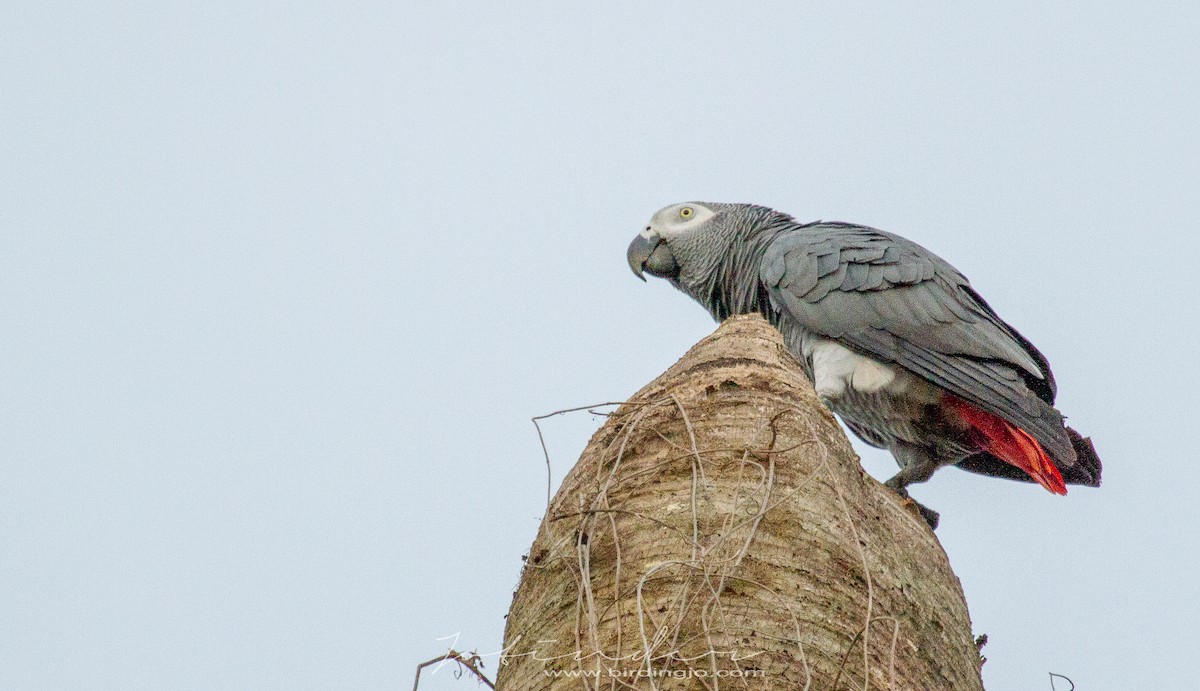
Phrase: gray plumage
pixel 921 314
pixel 880 296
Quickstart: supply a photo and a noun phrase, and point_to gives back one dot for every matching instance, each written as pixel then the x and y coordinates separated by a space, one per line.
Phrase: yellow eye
pixel 686 212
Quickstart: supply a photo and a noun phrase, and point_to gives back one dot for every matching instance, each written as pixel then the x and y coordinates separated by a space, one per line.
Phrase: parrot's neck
pixel 735 286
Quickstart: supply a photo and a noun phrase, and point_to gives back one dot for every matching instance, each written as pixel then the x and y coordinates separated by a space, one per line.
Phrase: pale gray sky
pixel 281 286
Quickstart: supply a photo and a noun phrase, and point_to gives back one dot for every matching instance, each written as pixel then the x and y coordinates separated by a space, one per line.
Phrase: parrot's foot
pixel 931 517
pixel 917 464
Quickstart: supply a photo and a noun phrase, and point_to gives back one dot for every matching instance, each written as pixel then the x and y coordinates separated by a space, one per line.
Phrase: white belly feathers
pixel 837 369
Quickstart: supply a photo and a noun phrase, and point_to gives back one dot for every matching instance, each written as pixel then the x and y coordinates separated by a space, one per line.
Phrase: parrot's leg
pixel 917 464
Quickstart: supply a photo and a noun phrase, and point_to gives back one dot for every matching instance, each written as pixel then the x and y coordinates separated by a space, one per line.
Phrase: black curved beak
pixel 639 253
pixel 651 255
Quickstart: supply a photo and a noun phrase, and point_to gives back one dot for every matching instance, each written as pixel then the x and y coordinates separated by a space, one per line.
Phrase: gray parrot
pixel 893 338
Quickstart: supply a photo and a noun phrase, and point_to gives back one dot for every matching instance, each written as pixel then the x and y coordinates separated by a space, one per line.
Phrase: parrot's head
pixel 680 243
pixel 688 243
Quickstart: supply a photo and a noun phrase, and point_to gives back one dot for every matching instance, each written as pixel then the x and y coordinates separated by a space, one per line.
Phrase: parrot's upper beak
pixel 648 253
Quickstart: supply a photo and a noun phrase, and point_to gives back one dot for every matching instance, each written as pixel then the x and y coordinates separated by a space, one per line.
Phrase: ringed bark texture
pixel 719 532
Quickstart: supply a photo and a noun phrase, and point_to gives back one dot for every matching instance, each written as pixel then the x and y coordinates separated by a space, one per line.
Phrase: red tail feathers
pixel 1011 445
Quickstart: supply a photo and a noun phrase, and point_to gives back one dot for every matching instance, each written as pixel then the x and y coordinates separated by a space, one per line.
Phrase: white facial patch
pixel 673 220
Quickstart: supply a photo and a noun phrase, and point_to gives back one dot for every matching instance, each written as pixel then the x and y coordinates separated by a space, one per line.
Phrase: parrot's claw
pixel 931 517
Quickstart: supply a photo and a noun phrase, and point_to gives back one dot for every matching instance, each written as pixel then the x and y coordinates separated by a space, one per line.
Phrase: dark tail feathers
pixel 1086 470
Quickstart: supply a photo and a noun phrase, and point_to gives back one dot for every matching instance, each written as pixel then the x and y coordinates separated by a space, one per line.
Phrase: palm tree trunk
pixel 719 532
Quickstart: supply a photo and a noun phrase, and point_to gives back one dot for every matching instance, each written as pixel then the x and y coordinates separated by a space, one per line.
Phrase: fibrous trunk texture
pixel 719 532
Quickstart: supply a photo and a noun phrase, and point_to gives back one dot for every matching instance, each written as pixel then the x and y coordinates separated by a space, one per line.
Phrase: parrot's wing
pixel 893 300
